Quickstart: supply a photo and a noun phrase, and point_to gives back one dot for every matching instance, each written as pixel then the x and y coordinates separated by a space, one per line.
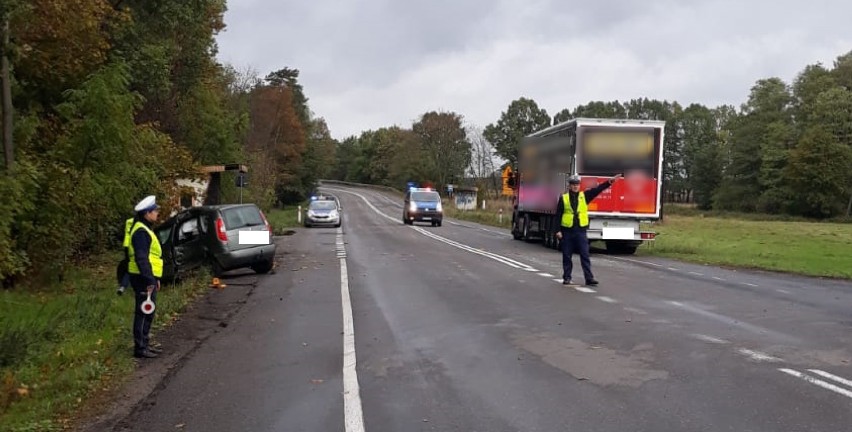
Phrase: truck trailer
pixel 594 149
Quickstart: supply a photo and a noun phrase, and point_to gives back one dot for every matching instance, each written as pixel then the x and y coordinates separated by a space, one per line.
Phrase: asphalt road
pixel 461 328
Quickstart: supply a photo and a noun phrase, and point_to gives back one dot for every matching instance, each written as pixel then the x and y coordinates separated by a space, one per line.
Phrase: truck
pixel 596 150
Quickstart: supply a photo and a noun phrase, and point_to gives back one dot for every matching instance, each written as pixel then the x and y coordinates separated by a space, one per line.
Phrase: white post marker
pixel 299 215
pixel 500 216
pixel 483 204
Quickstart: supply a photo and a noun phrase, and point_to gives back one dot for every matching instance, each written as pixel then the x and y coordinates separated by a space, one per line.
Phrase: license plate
pixel 427 218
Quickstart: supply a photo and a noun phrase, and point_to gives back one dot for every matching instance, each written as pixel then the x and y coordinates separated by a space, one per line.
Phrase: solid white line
pixel 758 356
pixel 352 412
pixel 547 275
pixel 585 290
pixel 607 299
pixel 530 269
pixel 696 273
pixel 821 383
pixel 710 339
pixel 825 374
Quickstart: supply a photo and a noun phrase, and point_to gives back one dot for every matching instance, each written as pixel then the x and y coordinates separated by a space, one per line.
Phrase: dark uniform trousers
pixel 575 240
pixel 141 321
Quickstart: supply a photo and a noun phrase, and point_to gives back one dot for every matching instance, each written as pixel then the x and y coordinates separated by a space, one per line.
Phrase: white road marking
pixel 352 412
pixel 759 356
pixel 557 280
pixel 749 284
pixel 585 290
pixel 547 275
pixel 696 273
pixel 530 269
pixel 636 261
pixel 672 269
pixel 825 374
pixel 454 223
pixel 733 321
pixel 502 259
pixel 710 339
pixel 818 382
pixel 718 278
pixel 635 310
pixel 782 291
pixel 607 299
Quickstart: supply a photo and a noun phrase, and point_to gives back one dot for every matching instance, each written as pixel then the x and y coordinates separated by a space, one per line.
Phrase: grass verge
pixel 754 241
pixel 285 218
pixel 63 343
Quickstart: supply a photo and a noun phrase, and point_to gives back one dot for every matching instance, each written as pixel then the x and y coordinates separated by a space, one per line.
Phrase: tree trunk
pixel 849 206
pixel 7 100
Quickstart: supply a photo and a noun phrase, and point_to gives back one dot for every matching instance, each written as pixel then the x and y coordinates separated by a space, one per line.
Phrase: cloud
pixel 370 64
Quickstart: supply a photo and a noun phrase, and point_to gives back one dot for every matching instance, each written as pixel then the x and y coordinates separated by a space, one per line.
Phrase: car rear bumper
pixel 246 257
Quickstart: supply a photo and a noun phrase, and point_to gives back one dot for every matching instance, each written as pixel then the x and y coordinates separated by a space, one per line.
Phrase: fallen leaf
pixel 23 391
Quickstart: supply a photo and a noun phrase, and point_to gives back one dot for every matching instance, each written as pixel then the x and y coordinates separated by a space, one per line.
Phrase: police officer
pixel 145 265
pixel 573 206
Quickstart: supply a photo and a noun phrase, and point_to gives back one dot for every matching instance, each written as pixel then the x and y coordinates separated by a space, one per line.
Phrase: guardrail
pixel 343 183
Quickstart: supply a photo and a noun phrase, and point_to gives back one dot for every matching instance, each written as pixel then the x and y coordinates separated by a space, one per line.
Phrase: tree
pixel 482 162
pixel 522 118
pixel 445 145
pixel 701 155
pixel 819 173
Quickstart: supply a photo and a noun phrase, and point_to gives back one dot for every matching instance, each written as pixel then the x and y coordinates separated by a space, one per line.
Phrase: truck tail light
pixel 221 232
pixel 648 235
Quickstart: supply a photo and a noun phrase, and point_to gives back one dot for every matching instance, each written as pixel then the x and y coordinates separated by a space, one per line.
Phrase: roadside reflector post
pixel 500 215
pixel 299 215
pixel 483 204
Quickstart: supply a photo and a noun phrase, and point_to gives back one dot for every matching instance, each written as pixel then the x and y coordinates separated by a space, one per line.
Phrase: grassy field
pixel 62 343
pixel 778 243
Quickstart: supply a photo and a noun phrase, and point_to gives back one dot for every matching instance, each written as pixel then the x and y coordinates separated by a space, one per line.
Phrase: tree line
pixel 786 150
pixel 106 102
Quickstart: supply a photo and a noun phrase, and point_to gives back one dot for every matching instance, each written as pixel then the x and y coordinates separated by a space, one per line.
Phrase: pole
pixel 7 98
pixel 501 216
pixel 483 204
pixel 299 215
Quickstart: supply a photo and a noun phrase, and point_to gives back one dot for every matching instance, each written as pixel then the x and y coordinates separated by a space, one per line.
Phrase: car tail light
pixel 220 230
pixel 266 222
pixel 648 235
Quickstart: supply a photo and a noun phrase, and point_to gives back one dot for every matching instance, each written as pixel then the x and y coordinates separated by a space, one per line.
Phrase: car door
pixel 189 250
pixel 165 235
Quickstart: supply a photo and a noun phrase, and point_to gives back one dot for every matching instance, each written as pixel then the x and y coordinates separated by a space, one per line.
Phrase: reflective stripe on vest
pixel 155 254
pixel 568 213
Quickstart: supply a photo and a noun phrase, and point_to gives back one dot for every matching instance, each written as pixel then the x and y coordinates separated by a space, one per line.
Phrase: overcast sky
pixel 367 64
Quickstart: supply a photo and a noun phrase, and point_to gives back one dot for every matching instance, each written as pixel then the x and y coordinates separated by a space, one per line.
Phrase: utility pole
pixel 8 149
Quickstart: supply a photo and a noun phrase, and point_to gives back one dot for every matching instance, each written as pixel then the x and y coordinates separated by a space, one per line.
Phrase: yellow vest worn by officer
pixel 155 253
pixel 582 211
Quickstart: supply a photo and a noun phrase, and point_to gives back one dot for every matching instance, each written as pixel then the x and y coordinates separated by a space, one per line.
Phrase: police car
pixel 422 205
pixel 323 210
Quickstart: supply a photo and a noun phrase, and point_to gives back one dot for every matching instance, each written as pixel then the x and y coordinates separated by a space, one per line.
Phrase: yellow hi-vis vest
pixel 155 254
pixel 568 213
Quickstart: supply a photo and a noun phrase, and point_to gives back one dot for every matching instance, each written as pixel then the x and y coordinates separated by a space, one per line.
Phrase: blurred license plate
pixel 427 218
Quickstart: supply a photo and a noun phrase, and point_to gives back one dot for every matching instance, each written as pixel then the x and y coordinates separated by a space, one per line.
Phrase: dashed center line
pixel 696 273
pixel 607 299
pixel 585 290
pixel 717 278
pixel 758 356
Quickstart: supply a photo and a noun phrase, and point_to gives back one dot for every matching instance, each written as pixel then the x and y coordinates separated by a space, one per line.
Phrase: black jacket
pixel 590 193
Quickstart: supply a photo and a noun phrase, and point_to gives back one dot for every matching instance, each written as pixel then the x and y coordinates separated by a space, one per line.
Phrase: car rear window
pixel 425 196
pixel 239 217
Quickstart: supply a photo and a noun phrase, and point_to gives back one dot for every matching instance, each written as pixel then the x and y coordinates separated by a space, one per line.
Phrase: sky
pixel 367 64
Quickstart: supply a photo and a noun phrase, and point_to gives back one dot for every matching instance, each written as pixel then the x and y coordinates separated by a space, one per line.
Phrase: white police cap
pixel 147 204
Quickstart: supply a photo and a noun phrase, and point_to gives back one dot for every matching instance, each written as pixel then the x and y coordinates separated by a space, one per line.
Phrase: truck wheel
pixel 526 232
pixel 516 230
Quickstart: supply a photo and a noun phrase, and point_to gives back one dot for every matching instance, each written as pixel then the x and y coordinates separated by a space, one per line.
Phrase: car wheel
pixel 262 267
pixel 438 223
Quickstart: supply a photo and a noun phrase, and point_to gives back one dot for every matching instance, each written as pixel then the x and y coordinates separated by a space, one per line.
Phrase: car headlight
pixel 311 213
pixel 334 213
pixel 440 207
pixel 412 207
